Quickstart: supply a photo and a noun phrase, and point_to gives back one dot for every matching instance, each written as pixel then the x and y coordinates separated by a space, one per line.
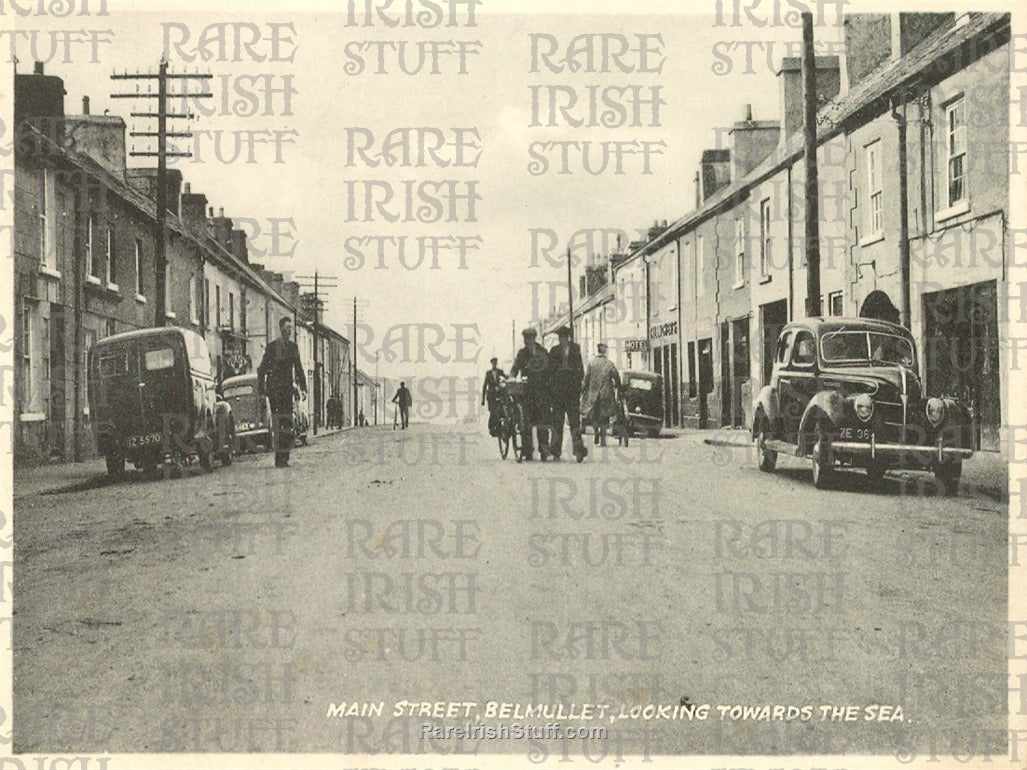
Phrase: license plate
pixel 857 434
pixel 148 439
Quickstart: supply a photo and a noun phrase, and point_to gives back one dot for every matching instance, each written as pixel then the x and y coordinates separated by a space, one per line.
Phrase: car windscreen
pixel 639 384
pixel 239 390
pixel 866 347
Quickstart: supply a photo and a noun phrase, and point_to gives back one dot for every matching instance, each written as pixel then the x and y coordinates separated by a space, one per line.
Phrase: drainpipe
pixel 791 266
pixel 680 335
pixel 900 120
pixel 80 334
pixel 924 115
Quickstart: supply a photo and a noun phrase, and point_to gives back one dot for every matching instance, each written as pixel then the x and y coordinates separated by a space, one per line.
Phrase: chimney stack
pixel 85 105
pixel 714 173
pixel 829 83
pixel 239 248
pixel 192 207
pixel 38 69
pixel 871 39
pixel 751 142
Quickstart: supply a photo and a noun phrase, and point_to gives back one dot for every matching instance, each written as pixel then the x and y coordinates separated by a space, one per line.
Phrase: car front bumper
pixel 874 450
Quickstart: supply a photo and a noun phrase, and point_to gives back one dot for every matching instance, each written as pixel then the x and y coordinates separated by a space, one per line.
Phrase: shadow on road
pixel 911 485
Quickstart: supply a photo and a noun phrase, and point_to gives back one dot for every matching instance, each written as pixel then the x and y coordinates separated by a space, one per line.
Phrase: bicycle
pixel 511 418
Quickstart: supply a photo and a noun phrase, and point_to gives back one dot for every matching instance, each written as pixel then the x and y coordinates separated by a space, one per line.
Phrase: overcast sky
pixel 494 98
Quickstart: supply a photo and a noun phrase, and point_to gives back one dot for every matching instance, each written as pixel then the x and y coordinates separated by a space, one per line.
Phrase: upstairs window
pixel 765 238
pixel 955 149
pixel 739 253
pixel 112 270
pixel 92 269
pixel 875 194
pixel 139 267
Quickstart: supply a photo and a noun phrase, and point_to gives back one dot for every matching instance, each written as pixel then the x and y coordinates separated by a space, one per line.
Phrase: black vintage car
pixel 251 411
pixel 152 399
pixel 845 391
pixel 642 398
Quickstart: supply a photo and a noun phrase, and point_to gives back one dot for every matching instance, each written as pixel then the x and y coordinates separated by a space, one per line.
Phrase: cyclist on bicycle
pixel 490 392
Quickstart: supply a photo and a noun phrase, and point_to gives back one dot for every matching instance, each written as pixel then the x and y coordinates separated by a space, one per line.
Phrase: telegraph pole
pixel 355 412
pixel 809 127
pixel 161 134
pixel 570 295
pixel 318 384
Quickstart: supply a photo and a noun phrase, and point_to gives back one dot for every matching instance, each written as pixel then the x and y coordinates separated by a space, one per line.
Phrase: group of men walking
pixel 554 384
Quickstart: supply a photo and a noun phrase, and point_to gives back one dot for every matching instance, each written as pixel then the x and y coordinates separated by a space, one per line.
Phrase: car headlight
pixel 935 410
pixel 864 406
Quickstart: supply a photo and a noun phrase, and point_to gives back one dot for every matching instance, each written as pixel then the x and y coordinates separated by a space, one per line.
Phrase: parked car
pixel 845 391
pixel 152 399
pixel 642 397
pixel 251 410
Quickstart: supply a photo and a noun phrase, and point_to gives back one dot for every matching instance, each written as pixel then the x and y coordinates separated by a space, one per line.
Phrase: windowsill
pixel 93 280
pixel 140 299
pixel 953 211
pixel 765 279
pixel 32 417
pixel 113 287
pixel 50 272
pixel 194 321
pixel 739 285
pixel 170 314
pixel 871 239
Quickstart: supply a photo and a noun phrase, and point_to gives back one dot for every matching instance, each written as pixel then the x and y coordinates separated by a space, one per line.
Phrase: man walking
pixel 278 367
pixel 565 374
pixel 403 400
pixel 490 393
pixel 532 362
pixel 599 393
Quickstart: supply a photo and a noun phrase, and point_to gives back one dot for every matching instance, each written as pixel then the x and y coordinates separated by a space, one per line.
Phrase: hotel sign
pixel 663 330
pixel 636 346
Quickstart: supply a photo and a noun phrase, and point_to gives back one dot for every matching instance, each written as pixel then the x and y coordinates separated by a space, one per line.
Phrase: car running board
pixel 782 447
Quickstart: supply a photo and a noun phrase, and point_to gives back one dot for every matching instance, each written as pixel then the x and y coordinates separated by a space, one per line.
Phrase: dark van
pixel 152 400
pixel 642 396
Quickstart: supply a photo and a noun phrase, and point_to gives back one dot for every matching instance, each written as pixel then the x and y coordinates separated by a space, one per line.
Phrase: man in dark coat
pixel 566 372
pixel 403 400
pixel 490 393
pixel 275 378
pixel 532 362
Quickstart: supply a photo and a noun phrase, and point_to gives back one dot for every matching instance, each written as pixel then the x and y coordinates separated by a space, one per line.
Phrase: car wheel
pixel 823 467
pixel 875 471
pixel 947 475
pixel 653 433
pixel 115 466
pixel 205 453
pixel 767 457
pixel 227 453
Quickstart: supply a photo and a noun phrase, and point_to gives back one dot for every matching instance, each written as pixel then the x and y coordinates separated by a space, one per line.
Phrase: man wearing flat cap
pixel 490 393
pixel 566 372
pixel 532 362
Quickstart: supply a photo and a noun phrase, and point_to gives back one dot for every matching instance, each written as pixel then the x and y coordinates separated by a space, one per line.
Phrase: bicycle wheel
pixel 503 436
pixel 517 431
